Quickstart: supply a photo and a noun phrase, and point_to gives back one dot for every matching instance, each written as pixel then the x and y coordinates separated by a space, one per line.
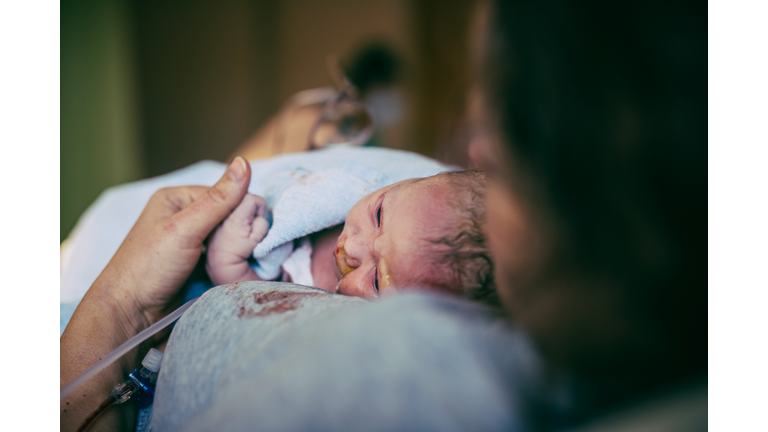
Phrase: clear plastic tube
pixel 124 348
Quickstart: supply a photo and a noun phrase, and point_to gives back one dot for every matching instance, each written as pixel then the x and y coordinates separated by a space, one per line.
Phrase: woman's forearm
pixel 98 326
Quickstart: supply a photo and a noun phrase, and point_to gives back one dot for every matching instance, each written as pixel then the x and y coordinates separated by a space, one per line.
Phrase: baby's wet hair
pixel 463 248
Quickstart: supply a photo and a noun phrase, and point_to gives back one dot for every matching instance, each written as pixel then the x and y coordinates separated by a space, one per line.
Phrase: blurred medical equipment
pixel 343 121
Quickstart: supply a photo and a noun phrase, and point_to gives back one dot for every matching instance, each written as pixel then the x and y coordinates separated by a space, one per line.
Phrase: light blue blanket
pixel 305 192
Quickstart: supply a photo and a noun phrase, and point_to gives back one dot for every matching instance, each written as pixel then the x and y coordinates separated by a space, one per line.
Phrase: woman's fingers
pixel 167 202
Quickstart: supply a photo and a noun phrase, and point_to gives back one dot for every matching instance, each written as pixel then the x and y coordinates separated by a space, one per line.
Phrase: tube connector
pixel 140 383
pixel 152 360
pixel 122 392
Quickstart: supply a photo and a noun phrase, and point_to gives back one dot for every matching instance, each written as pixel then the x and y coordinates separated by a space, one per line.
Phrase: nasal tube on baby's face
pixel 341 261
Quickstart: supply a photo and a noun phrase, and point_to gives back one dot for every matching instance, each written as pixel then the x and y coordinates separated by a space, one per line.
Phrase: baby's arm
pixel 233 242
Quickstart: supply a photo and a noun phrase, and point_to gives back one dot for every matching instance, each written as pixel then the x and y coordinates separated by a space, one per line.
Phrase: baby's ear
pixel 259 229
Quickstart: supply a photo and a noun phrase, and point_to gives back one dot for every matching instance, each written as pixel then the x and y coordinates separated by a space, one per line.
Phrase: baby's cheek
pixel 385 275
pixel 350 288
pixel 388 291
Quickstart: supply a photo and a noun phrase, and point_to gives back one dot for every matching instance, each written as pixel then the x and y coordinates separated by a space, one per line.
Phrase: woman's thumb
pixel 203 215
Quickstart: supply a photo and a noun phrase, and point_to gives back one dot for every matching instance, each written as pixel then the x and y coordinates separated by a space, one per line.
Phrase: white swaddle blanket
pixel 305 193
pixel 301 202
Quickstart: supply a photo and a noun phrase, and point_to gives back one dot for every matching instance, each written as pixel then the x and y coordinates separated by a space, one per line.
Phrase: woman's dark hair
pixel 602 106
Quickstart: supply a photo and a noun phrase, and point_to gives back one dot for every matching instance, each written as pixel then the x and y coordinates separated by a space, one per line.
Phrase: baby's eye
pixel 378 217
pixel 376 280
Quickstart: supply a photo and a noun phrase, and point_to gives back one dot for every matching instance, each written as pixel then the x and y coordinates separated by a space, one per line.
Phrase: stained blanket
pixel 281 357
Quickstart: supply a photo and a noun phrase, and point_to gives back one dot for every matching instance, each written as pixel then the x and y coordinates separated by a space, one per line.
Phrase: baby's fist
pixel 240 232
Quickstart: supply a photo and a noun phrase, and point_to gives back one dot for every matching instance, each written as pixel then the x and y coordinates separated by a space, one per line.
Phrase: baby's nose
pixel 351 261
pixel 351 250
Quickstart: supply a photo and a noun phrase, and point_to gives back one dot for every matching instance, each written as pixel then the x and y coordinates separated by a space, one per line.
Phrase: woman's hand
pixel 138 287
pixel 165 244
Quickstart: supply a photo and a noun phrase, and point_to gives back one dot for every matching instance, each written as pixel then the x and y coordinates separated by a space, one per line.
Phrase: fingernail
pixel 236 170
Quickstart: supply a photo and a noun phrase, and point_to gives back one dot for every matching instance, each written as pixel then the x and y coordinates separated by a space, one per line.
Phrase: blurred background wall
pixel 149 87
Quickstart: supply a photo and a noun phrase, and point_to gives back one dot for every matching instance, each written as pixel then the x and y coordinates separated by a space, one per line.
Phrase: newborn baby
pixel 418 233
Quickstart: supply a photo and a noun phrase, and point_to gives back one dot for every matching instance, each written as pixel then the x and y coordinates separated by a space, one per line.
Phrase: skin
pixel 232 243
pixel 374 253
pixel 139 286
pixel 578 319
pixel 515 241
pixel 382 245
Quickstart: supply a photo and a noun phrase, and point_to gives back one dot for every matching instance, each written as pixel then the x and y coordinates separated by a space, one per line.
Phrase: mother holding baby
pixel 591 125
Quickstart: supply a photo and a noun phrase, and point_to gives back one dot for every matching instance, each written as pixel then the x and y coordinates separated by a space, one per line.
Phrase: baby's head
pixel 418 233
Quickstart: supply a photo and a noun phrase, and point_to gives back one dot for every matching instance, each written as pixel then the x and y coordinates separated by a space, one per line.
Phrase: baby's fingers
pixel 251 207
pixel 259 229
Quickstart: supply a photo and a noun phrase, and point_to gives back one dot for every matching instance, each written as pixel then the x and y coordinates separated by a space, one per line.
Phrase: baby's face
pixel 382 246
